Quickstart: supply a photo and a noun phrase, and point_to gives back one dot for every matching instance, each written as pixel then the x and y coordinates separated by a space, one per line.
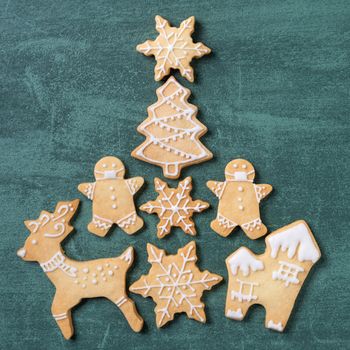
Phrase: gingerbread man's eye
pixel 113 165
pixel 235 166
pixel 104 165
pixel 244 166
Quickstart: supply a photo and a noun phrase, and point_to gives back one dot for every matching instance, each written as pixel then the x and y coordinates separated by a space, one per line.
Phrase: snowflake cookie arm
pixel 87 189
pixel 217 187
pixel 134 184
pixel 262 191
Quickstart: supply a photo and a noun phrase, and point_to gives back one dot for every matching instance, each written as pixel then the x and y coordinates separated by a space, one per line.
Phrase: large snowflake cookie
pixel 172 132
pixel 175 283
pixel 173 48
pixel 76 280
pixel 239 200
pixel 112 198
pixel 274 278
pixel 174 207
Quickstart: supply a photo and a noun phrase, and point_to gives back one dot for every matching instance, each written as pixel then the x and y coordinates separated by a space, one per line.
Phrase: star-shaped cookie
pixel 174 207
pixel 175 283
pixel 173 48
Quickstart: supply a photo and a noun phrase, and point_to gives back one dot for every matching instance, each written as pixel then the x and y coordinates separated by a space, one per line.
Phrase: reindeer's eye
pixel 104 165
pixel 34 241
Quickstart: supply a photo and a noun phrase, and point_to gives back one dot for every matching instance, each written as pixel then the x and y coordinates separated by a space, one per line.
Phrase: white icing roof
pixel 296 239
pixel 244 260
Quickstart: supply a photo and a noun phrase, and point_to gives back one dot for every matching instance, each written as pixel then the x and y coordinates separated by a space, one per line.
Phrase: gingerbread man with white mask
pixel 239 200
pixel 112 198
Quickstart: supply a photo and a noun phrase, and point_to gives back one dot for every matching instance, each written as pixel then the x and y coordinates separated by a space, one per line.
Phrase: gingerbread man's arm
pixel 262 191
pixel 87 189
pixel 134 184
pixel 217 187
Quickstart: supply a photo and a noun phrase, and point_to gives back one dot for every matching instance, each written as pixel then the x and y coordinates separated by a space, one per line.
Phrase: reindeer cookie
pixel 112 198
pixel 274 278
pixel 239 200
pixel 76 280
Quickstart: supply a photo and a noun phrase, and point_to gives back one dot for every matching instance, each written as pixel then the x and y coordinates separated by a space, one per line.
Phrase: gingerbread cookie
pixel 174 207
pixel 173 48
pixel 112 198
pixel 175 283
pixel 239 200
pixel 172 132
pixel 272 279
pixel 76 280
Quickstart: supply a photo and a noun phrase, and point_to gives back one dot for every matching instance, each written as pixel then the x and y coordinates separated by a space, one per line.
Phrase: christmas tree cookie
pixel 172 132
pixel 239 200
pixel 173 48
pixel 112 198
pixel 174 207
pixel 175 283
pixel 76 280
pixel 272 279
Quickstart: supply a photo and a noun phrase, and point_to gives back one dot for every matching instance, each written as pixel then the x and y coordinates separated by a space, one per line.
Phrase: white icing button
pixel 115 267
pixel 114 206
pixel 85 269
pixel 83 286
pixel 113 198
pixel 107 265
pixel 240 188
pixel 239 199
pixel 99 268
pixel 76 282
pixel 94 281
pixel 110 273
pixel 241 207
pixel 34 241
pixel 94 274
pixel 111 188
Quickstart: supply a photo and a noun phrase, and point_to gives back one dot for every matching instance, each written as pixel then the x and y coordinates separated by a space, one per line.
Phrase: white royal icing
pixel 296 239
pixel 243 260
pixel 275 326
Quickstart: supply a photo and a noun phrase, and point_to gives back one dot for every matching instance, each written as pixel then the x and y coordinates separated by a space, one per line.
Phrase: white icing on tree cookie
pixel 172 132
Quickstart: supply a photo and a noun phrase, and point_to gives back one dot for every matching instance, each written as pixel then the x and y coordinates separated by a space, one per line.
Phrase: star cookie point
pixel 173 48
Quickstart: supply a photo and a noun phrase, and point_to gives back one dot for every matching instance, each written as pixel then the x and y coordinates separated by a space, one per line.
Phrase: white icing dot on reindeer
pixel 75 280
pixel 112 198
pixel 239 200
pixel 274 278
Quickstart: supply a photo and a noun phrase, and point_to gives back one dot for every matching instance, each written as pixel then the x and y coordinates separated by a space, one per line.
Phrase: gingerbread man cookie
pixel 274 278
pixel 173 48
pixel 174 207
pixel 175 283
pixel 172 132
pixel 239 200
pixel 76 280
pixel 112 198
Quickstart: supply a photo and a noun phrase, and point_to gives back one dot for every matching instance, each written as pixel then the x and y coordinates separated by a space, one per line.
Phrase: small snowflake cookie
pixel 172 132
pixel 175 283
pixel 174 207
pixel 239 200
pixel 112 198
pixel 173 48
pixel 274 278
pixel 76 280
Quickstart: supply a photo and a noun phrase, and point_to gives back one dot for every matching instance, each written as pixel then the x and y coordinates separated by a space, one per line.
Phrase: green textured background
pixel 275 91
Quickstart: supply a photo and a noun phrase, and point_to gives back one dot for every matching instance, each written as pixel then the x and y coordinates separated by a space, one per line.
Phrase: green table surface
pixel 275 90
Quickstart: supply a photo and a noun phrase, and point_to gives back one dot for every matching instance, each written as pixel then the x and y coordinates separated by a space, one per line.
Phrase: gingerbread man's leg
pixel 128 308
pixel 130 223
pixel 99 225
pixel 222 225
pixel 254 229
pixel 61 311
